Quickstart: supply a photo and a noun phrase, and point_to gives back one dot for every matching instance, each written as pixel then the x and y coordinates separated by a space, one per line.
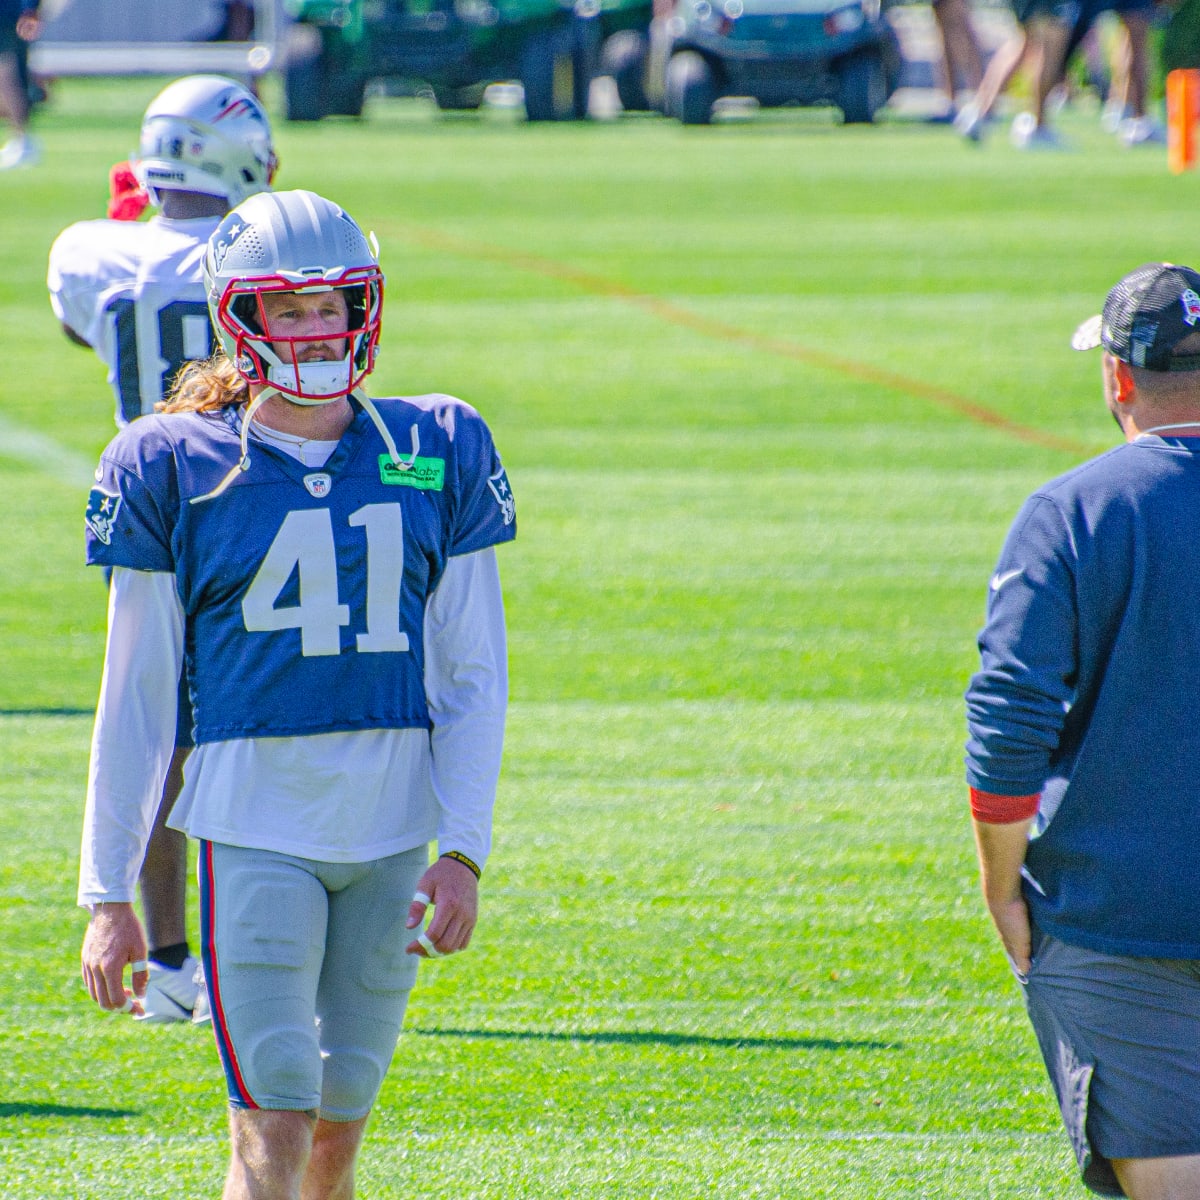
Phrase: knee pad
pixel 279 1066
pixel 350 1083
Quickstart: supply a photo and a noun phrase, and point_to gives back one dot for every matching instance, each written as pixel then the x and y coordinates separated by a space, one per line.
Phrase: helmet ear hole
pixel 356 316
pixel 245 309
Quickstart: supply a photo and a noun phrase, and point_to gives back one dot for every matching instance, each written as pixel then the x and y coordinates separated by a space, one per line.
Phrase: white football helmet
pixel 206 133
pixel 292 242
pixel 295 242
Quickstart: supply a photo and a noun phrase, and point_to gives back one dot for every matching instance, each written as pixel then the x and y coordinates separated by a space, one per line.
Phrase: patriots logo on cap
pixel 1191 306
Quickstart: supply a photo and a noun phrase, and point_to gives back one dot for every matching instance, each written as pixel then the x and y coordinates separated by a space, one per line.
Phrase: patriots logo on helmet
pixel 235 106
pixel 1191 306
pixel 227 233
pixel 101 515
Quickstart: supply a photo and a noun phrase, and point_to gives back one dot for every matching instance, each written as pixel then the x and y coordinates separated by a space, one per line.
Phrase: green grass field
pixel 768 394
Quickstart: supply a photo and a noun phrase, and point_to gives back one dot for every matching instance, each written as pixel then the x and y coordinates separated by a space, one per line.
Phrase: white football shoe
pixel 1113 114
pixel 20 151
pixel 171 995
pixel 969 122
pixel 1141 131
pixel 1027 134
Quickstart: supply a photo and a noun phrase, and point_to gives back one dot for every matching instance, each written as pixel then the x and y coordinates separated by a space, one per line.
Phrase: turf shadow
pixel 17 1108
pixel 635 1038
pixel 47 712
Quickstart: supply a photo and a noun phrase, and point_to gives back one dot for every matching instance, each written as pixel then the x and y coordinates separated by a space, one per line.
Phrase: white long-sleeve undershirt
pixel 338 797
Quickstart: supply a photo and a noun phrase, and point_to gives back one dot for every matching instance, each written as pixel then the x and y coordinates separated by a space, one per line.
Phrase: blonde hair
pixel 206 385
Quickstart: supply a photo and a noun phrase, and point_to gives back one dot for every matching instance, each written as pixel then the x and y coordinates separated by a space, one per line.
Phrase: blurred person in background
pixel 1126 108
pixel 961 65
pixel 1040 45
pixel 133 291
pixel 18 27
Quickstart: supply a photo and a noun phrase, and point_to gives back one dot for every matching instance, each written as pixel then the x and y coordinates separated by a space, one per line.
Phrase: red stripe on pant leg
pixel 238 1092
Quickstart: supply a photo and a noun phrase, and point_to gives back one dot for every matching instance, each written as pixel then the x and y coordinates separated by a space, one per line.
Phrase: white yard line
pixel 44 454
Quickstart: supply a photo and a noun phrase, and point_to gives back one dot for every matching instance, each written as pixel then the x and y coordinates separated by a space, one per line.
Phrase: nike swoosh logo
pixel 998 580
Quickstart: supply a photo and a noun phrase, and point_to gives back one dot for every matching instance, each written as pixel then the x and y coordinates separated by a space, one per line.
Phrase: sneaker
pixel 1113 115
pixel 20 151
pixel 1057 100
pixel 969 122
pixel 1141 131
pixel 1027 134
pixel 171 995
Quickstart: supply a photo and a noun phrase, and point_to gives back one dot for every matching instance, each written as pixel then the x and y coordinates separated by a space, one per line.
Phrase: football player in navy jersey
pixel 322 565
pixel 133 291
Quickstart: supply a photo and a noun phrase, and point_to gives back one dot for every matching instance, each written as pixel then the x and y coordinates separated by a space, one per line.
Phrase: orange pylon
pixel 1183 113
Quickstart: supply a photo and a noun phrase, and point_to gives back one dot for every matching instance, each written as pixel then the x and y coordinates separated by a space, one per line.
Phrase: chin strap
pixel 243 462
pixel 403 464
pixel 368 405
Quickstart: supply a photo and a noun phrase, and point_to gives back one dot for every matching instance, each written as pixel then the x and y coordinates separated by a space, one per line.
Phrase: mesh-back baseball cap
pixel 1147 314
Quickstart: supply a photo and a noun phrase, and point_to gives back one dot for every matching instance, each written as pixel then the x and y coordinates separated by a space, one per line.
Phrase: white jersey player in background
pixel 133 291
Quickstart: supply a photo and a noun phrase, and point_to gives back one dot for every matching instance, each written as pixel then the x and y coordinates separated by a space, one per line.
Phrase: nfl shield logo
pixel 101 514
pixel 318 485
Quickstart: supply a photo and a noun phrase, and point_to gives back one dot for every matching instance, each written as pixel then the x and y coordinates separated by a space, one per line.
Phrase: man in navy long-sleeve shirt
pixel 1083 756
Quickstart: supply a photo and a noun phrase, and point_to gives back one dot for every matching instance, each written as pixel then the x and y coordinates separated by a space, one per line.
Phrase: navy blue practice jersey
pixel 303 590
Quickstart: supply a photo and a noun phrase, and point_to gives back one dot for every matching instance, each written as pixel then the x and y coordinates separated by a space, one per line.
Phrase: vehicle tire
pixel 344 93
pixel 303 95
pixel 862 87
pixel 624 57
pixel 691 88
pixel 585 59
pixel 458 99
pixel 314 87
pixel 544 67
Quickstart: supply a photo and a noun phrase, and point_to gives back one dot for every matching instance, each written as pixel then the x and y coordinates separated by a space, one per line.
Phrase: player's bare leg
pixel 13 98
pixel 269 1153
pixel 1136 30
pixel 962 60
pixel 163 878
pixel 1001 68
pixel 1051 38
pixel 330 1173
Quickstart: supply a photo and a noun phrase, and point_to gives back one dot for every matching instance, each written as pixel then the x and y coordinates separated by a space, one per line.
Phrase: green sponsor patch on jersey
pixel 428 474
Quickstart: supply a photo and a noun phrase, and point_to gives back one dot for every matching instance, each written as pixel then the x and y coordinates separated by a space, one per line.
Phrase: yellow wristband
pixel 466 862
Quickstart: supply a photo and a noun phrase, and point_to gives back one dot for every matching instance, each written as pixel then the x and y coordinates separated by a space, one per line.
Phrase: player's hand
pixel 1011 918
pixel 452 890
pixel 127 198
pixel 29 25
pixel 114 939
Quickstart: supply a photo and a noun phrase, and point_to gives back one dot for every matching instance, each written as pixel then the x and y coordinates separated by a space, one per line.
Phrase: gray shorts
pixel 306 973
pixel 1121 1040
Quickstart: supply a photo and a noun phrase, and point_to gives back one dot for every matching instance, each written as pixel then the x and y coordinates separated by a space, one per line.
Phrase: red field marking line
pixel 599 285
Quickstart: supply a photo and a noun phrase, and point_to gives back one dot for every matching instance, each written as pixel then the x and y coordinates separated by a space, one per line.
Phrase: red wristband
pixel 992 809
